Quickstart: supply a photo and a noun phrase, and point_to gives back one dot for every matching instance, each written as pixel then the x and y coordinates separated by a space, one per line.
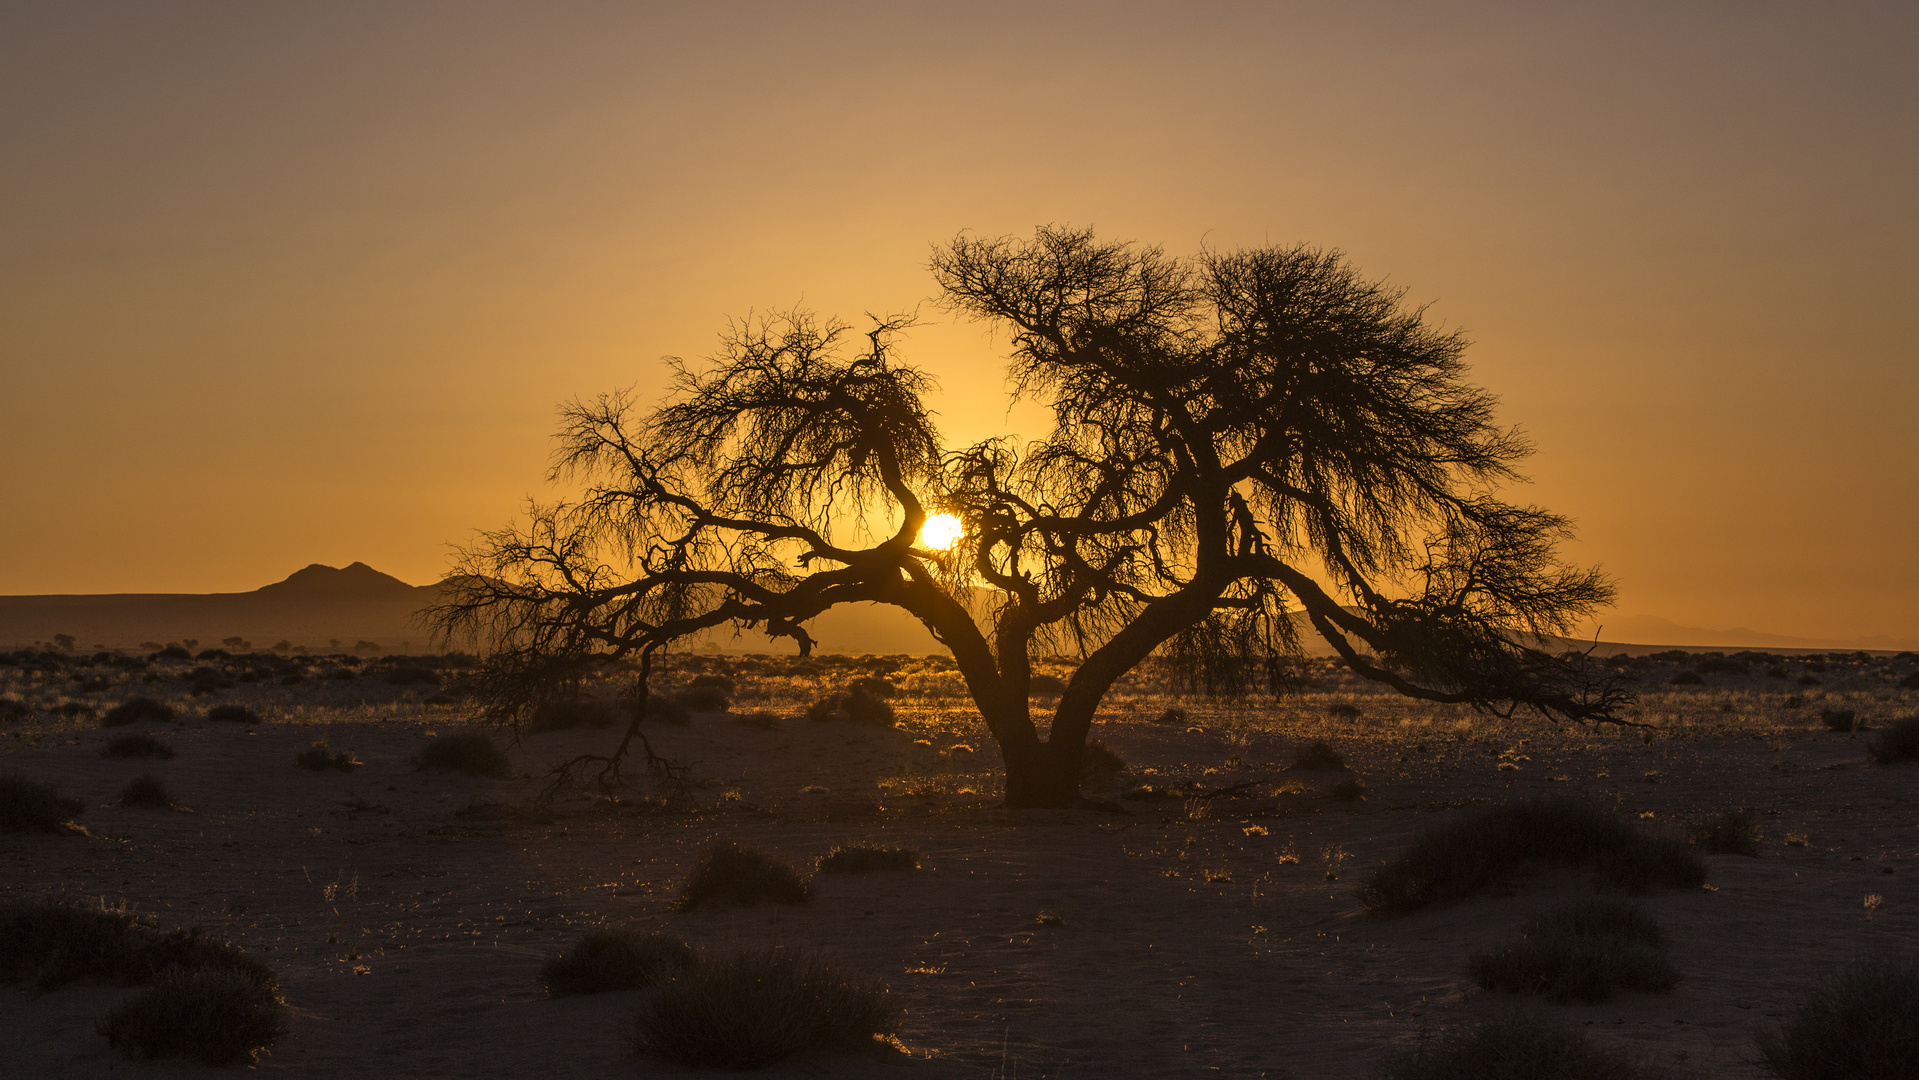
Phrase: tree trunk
pixel 1042 775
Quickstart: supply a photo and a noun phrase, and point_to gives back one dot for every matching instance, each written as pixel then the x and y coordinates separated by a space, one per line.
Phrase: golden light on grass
pixel 940 532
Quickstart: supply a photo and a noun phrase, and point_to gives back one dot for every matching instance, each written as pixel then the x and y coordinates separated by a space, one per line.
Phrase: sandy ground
pixel 408 912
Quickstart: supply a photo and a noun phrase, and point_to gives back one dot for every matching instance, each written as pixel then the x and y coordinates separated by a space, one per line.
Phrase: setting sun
pixel 940 531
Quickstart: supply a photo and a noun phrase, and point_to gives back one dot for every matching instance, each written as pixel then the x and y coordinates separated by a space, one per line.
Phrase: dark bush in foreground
pixel 1860 1024
pixel 134 710
pixel 736 874
pixel 232 714
pixel 320 756
pixel 1174 716
pixel 147 790
pixel 1488 848
pixel 857 705
pixel 1733 832
pixel 137 746
pixel 1585 954
pixel 213 1015
pixel 50 945
pixel 1317 755
pixel 755 1009
pixel 1520 1047
pixel 14 711
pixel 1839 719
pixel 28 804
pixel 470 752
pixel 1899 742
pixel 861 858
pixel 612 960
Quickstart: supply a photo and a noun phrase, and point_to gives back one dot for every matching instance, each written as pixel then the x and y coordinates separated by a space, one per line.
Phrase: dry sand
pixel 408 912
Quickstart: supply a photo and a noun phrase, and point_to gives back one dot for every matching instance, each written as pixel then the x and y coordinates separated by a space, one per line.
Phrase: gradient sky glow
pixel 298 283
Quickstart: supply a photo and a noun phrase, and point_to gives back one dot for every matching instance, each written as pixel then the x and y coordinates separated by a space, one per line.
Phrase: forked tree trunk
pixel 1042 775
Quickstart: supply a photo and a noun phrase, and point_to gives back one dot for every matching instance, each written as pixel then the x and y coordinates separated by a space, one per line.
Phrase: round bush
pixel 1862 1023
pixel 213 1015
pixel 613 960
pixel 1518 1047
pixel 232 714
pixel 754 1009
pixel 736 874
pixel 147 790
pixel 134 710
pixel 28 804
pixel 470 752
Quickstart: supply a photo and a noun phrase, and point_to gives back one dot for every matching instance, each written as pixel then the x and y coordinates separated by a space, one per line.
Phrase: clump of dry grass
pixel 134 710
pixel 857 704
pixel 137 746
pixel 1585 953
pixel 612 960
pixel 1348 790
pixel 319 756
pixel 48 945
pixel 1522 1046
pixel 1899 742
pixel 470 752
pixel 862 858
pixel 30 805
pixel 754 1009
pixel 146 790
pixel 1733 832
pixel 1839 719
pixel 1485 849
pixel 213 1015
pixel 737 874
pixel 1317 755
pixel 232 714
pixel 1861 1023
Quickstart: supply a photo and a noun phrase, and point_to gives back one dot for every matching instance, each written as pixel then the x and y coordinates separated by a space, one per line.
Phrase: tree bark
pixel 1043 775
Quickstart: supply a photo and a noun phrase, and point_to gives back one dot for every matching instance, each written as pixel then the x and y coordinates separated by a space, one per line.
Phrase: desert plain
pixel 1200 919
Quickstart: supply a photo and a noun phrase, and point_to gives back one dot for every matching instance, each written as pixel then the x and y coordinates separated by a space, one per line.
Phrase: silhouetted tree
pixel 1237 439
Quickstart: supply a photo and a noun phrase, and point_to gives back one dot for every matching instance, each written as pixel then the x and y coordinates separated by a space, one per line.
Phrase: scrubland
pixel 1207 914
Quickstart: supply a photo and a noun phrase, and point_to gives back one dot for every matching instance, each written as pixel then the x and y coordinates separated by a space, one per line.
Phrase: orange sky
pixel 292 283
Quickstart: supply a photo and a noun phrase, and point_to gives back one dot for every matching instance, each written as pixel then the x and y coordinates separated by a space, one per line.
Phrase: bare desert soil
pixel 1209 929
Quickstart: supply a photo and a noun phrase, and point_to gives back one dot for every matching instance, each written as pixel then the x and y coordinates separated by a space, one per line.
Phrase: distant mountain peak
pixel 356 579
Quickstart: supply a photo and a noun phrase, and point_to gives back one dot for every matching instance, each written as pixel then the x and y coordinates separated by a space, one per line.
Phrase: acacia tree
pixel 1243 445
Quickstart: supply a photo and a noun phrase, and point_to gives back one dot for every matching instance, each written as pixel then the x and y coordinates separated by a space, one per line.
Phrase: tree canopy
pixel 1243 445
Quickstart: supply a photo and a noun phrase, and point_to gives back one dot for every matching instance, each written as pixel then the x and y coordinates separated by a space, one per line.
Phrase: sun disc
pixel 940 532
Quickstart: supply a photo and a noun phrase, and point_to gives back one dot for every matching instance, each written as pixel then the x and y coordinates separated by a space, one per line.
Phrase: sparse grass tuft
pixel 1862 1023
pixel 754 1009
pixel 1488 848
pixel 232 714
pixel 28 804
pixel 1585 953
pixel 134 710
pixel 860 858
pixel 1733 832
pixel 213 1015
pixel 1317 755
pixel 319 756
pixel 470 752
pixel 146 790
pixel 612 960
pixel 736 874
pixel 137 746
pixel 48 946
pixel 1899 742
pixel 1518 1047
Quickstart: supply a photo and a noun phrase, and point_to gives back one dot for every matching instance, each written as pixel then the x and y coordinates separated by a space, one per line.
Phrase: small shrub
pixel 147 790
pixel 1175 717
pixel 1862 1023
pixel 667 711
pixel 1342 711
pixel 1518 1047
pixel 1317 755
pixel 213 1015
pixel 1046 686
pixel 48 946
pixel 1348 790
pixel 137 746
pixel 410 675
pixel 1910 682
pixel 861 858
pixel 232 714
pixel 470 752
pixel 736 874
pixel 1687 678
pixel 1838 719
pixel 1899 742
pixel 1098 758
pixel 1733 832
pixel 705 699
pixel 319 756
pixel 754 1009
pixel 611 960
pixel 1488 848
pixel 855 705
pixel 722 683
pixel 874 686
pixel 572 712
pixel 134 710
pixel 14 711
pixel 1585 954
pixel 28 804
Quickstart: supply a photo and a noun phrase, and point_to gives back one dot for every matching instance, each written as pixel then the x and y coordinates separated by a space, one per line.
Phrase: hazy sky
pixel 292 283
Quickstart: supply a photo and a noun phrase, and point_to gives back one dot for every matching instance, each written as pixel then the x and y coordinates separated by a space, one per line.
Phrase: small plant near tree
pixel 1317 755
pixel 1522 1046
pixel 319 756
pixel 1586 953
pixel 1861 1023
pixel 864 858
pixel 137 746
pixel 1486 849
pixel 470 752
pixel 134 710
pixel 30 805
pixel 1732 832
pixel 611 960
pixel 147 791
pixel 232 714
pixel 733 873
pixel 754 1009
pixel 1898 742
